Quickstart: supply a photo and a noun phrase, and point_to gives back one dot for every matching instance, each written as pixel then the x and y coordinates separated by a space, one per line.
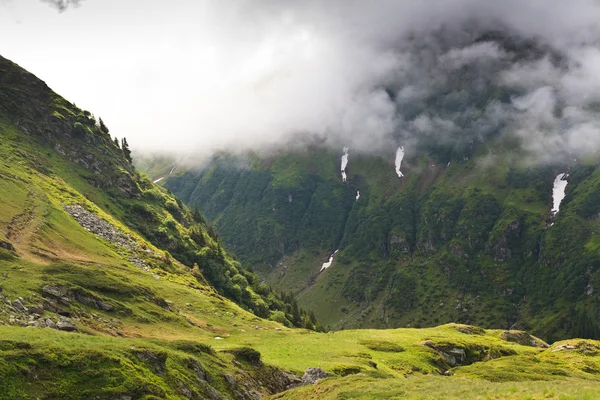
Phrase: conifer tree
pixel 103 127
pixel 126 151
pixel 196 214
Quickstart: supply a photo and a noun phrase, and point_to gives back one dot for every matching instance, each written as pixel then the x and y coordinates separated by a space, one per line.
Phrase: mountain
pixel 465 229
pixel 110 288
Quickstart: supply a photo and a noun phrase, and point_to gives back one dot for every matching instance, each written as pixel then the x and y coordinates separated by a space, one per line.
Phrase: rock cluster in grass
pixel 21 313
pixel 92 223
pixel 96 225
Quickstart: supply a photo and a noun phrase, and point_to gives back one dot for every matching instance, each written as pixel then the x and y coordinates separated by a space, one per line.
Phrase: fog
pixel 194 77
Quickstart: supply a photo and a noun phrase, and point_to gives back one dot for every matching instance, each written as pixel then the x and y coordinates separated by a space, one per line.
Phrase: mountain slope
pixel 454 241
pixel 88 245
pixel 463 231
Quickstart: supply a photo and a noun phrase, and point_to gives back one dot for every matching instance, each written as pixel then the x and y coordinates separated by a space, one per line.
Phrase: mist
pixel 194 77
pixel 62 5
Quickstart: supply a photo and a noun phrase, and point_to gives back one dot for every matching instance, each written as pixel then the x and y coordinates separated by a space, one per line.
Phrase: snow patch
pixel 558 192
pixel 399 157
pixel 158 180
pixel 329 262
pixel 173 169
pixel 357 194
pixel 344 163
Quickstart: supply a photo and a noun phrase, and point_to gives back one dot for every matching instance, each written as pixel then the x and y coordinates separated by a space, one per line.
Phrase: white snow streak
pixel 344 163
pixel 159 179
pixel 558 192
pixel 173 169
pixel 328 263
pixel 399 157
pixel 357 194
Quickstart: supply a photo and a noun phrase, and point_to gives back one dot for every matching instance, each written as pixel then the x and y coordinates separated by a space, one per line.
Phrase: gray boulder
pixel 314 374
pixel 65 324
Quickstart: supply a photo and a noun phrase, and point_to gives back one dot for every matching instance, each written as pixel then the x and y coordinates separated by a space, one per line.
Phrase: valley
pixel 426 270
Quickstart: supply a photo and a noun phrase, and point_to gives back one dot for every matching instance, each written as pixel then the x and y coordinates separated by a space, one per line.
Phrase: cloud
pixel 63 5
pixel 200 76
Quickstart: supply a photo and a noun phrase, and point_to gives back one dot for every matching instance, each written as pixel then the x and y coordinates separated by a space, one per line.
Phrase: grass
pixel 435 387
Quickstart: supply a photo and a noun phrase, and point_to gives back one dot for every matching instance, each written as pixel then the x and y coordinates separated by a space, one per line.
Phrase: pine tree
pixel 196 214
pixel 103 127
pixel 117 142
pixel 126 151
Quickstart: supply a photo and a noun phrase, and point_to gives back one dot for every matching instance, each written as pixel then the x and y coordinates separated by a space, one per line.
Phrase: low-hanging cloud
pixel 201 76
pixel 63 5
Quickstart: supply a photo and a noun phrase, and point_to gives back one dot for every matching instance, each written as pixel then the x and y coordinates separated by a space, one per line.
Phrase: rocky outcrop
pixel 65 324
pixel 314 374
pixel 7 246
pixel 455 354
pixel 523 338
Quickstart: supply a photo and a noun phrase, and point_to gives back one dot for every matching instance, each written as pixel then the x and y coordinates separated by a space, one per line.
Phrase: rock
pixel 65 324
pixel 7 246
pixel 64 313
pixel 212 393
pixel 100 227
pixel 56 291
pixel 50 324
pixel 470 330
pixel 291 381
pixel 50 305
pixel 523 338
pixel 156 359
pixel 231 380
pixel 198 369
pixel 314 374
pixel 104 306
pixel 18 305
pixel 36 310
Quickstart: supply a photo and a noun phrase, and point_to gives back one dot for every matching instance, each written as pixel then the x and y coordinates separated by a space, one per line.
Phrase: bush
pixel 246 354
pixel 279 316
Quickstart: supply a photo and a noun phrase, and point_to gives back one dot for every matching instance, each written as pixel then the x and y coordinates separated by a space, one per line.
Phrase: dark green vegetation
pixel 111 289
pixel 466 235
pixel 463 242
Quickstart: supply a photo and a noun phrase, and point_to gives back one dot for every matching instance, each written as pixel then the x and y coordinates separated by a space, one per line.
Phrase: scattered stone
pixel 100 227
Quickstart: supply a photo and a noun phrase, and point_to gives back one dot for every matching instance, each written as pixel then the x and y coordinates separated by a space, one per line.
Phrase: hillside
pixel 465 229
pixel 110 288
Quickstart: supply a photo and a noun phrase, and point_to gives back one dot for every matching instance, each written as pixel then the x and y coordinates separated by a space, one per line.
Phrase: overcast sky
pixel 199 75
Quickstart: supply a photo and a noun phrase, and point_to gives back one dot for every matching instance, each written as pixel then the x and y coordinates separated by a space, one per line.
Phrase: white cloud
pixel 197 76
